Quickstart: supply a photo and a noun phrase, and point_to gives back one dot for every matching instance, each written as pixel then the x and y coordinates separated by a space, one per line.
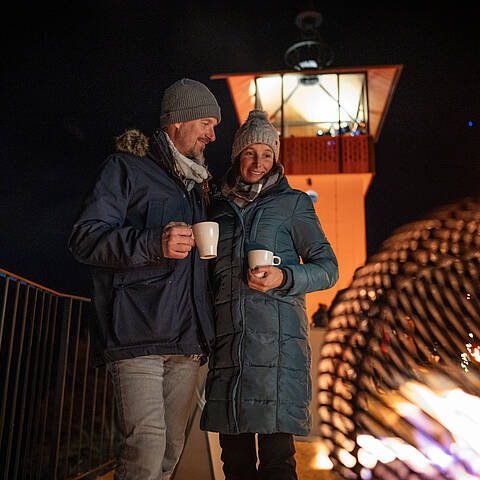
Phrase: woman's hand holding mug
pixel 272 277
pixel 263 274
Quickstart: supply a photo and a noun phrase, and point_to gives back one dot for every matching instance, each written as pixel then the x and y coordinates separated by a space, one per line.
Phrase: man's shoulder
pixel 120 161
pixel 126 167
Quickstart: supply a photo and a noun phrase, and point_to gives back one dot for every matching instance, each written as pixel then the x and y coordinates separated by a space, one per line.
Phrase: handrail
pixel 53 404
pixel 24 280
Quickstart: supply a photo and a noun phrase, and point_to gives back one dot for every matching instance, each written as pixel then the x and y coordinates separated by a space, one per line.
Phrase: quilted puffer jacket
pixel 259 373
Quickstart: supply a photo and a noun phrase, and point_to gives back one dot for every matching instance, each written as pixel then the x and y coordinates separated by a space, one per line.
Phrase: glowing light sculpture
pixel 399 376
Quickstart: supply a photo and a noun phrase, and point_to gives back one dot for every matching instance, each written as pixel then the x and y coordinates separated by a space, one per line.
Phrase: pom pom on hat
pixel 256 129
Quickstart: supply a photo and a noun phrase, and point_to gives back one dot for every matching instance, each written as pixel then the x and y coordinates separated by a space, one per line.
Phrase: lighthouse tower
pixel 329 120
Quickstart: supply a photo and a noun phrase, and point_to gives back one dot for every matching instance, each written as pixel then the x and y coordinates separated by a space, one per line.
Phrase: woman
pixel 259 373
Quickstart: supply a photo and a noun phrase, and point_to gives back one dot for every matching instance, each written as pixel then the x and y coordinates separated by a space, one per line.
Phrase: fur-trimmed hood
pixel 133 141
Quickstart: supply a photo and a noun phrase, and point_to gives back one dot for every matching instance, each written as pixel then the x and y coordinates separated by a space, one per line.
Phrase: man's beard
pixel 198 157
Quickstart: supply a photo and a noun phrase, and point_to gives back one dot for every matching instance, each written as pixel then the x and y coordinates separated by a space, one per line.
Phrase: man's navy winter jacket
pixel 144 303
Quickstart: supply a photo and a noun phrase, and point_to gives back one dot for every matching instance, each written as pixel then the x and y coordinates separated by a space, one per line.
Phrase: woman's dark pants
pixel 276 453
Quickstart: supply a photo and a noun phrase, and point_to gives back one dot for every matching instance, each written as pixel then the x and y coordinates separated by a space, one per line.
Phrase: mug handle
pixel 277 260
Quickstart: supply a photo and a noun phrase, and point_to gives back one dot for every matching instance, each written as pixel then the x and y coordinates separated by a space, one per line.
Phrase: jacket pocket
pixel 144 311
pixel 156 213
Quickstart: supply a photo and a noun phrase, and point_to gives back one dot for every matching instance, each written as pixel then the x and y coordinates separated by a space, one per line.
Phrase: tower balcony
pixel 326 154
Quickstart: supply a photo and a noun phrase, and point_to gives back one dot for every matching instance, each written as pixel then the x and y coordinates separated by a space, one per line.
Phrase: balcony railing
pixel 56 411
pixel 326 154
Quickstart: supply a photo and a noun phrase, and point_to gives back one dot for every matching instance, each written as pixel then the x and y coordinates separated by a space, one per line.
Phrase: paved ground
pixel 305 457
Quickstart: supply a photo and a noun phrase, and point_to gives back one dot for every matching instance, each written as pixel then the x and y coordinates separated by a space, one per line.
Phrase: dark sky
pixel 76 74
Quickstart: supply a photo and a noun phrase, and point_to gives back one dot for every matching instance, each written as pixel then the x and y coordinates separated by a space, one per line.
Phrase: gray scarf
pixel 191 171
pixel 242 193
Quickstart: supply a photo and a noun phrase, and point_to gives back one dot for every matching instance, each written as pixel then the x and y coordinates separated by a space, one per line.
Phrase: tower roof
pixel 381 84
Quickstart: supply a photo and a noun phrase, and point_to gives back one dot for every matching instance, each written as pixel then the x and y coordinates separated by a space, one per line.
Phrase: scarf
pixel 190 170
pixel 242 193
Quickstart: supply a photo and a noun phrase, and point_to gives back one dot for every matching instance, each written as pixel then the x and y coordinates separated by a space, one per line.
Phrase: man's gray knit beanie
pixel 256 129
pixel 187 100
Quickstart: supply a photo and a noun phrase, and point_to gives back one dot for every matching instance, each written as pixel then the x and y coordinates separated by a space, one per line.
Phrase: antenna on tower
pixel 311 51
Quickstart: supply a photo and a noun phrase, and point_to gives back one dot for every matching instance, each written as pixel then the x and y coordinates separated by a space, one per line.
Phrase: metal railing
pixel 56 411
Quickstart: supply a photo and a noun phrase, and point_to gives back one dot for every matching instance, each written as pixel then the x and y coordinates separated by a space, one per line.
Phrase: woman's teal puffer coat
pixel 259 373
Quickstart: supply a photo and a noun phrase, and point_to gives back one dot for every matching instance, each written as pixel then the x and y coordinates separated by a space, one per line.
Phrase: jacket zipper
pixel 242 313
pixel 255 222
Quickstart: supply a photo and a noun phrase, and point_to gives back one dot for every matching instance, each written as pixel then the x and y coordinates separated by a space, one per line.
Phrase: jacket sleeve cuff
pixel 287 283
pixel 154 244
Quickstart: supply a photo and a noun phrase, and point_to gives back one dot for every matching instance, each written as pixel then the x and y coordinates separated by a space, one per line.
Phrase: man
pixel 153 313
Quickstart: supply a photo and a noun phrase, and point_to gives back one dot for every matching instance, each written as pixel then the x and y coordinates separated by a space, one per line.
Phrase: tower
pixel 329 120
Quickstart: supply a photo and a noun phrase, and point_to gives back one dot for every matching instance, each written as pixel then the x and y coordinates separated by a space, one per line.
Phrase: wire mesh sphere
pixel 399 374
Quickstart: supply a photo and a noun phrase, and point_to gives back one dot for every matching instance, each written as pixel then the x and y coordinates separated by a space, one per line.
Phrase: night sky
pixel 77 74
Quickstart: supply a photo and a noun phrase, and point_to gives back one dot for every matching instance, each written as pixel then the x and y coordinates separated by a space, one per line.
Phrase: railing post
pixel 63 344
pixel 6 392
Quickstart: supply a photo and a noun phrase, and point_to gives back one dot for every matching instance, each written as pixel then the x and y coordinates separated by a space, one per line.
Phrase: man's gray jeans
pixel 154 398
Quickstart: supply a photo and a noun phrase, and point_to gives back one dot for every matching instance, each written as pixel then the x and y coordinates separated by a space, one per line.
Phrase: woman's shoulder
pixel 300 195
pixel 286 192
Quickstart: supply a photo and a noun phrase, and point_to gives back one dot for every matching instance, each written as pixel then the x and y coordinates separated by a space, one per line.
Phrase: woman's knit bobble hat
pixel 256 129
pixel 187 100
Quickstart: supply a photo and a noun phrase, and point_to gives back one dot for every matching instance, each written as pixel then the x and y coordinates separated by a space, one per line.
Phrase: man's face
pixel 192 137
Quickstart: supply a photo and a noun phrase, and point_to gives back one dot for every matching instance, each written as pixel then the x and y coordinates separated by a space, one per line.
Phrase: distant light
pixel 313 195
pixel 308 64
pixel 320 132
pixel 470 123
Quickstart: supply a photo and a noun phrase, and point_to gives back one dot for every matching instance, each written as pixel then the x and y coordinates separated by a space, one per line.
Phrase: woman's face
pixel 255 162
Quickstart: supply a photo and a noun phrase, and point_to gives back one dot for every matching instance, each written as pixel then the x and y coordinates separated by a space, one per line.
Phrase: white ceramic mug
pixel 262 258
pixel 206 239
